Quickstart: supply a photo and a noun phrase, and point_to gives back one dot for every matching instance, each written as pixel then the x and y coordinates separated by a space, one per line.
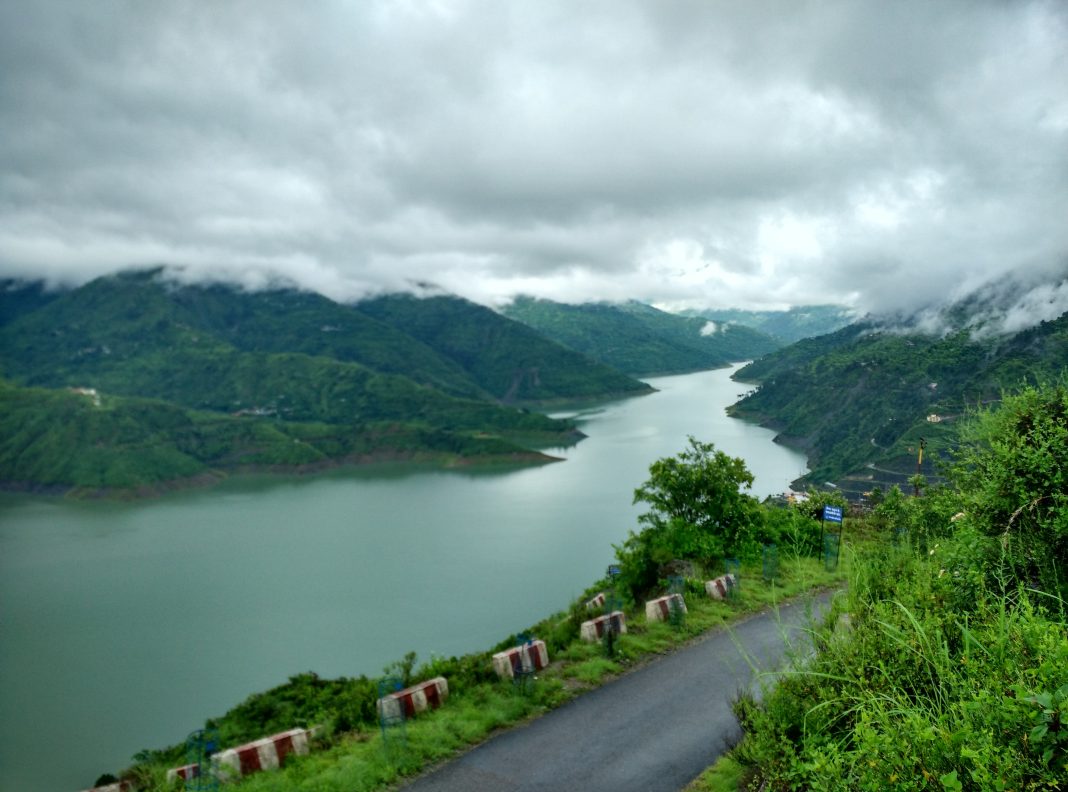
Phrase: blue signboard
pixel 832 513
pixel 614 571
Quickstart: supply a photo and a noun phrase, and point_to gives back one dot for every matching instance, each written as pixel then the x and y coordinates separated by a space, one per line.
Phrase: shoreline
pixel 211 478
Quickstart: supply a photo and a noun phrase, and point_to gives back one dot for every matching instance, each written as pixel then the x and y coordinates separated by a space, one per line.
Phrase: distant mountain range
pixel 178 381
pixel 859 400
pixel 640 339
pixel 136 382
pixel 787 326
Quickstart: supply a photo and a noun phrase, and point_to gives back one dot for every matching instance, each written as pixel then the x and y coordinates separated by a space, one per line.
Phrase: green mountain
pixel 504 357
pixel 284 359
pixel 858 401
pixel 805 321
pixel 638 338
pixel 21 297
pixel 109 322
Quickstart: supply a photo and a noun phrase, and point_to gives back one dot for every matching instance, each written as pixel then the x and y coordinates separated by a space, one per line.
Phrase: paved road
pixel 653 730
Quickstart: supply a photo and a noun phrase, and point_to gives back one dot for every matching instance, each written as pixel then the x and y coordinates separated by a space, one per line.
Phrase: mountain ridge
pixel 860 400
pixel 638 338
pixel 290 363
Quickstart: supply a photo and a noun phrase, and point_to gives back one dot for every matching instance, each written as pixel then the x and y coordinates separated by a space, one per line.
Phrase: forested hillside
pixel 235 376
pixel 504 357
pixel 863 395
pixel 61 440
pixel 638 338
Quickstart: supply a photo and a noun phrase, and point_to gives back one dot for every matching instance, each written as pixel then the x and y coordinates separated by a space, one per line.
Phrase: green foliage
pixel 813 505
pixel 949 669
pixel 698 512
pixel 402 669
pixel 19 297
pixel 1014 473
pixel 790 529
pixel 910 694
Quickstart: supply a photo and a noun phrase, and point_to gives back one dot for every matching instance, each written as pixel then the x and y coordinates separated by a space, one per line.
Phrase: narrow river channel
pixel 124 625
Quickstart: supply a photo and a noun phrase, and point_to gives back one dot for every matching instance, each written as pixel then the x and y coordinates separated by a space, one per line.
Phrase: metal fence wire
pixel 831 547
pixel 770 562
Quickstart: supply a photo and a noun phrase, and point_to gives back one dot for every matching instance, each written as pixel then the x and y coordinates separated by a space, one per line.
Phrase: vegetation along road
pixel 654 729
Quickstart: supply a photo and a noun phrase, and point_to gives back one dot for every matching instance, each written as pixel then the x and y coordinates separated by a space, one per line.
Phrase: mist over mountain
pixel 1008 306
pixel 859 400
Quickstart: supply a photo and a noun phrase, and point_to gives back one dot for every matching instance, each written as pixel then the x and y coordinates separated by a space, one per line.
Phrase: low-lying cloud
pixel 885 156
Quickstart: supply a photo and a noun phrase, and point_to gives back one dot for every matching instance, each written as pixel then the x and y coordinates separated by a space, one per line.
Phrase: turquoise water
pixel 124 625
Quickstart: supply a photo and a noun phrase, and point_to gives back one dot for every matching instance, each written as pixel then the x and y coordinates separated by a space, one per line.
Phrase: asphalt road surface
pixel 652 730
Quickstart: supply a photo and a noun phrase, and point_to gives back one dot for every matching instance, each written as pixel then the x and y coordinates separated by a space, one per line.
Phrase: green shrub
pixel 698 512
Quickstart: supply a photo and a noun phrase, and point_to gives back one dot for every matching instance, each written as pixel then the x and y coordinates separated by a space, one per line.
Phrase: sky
pixel 687 153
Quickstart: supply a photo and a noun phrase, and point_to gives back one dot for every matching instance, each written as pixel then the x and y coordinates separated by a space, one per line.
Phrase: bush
pixel 911 695
pixel 1013 472
pixel 951 673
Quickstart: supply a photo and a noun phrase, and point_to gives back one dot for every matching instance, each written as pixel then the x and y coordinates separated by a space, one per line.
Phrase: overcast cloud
pixel 752 154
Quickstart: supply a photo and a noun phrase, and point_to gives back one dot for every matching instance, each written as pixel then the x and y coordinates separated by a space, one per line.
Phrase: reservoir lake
pixel 124 625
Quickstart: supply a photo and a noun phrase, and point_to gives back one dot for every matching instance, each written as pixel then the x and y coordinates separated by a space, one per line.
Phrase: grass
pixel 726 775
pixel 930 686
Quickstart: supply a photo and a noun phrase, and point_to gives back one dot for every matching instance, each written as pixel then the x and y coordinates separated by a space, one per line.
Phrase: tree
pixel 698 512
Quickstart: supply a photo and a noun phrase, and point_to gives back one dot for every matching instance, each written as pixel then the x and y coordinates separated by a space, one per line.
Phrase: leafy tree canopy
pixel 700 486
pixel 698 511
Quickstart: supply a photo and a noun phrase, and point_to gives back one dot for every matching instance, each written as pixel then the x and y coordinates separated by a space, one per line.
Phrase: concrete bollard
pixel 593 630
pixel 659 609
pixel 720 587
pixel 596 602
pixel 417 698
pixel 527 657
pixel 185 772
pixel 268 753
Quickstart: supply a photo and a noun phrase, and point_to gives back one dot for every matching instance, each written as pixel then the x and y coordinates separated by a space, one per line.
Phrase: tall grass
pixel 921 690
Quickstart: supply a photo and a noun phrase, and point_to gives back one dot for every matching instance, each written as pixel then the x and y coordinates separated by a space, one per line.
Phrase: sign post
pixel 832 514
